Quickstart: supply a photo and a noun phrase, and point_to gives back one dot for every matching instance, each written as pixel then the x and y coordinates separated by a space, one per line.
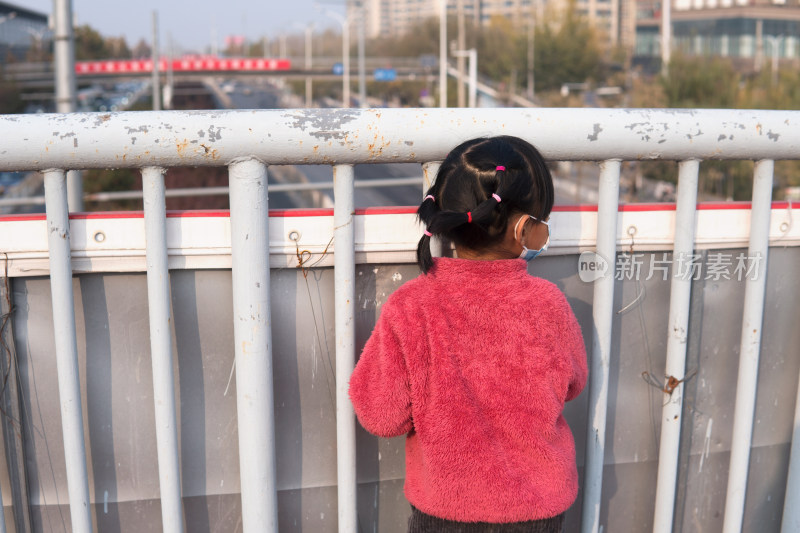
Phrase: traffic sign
pixel 385 74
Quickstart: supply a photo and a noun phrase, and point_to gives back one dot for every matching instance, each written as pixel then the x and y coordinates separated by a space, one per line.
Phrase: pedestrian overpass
pixel 188 370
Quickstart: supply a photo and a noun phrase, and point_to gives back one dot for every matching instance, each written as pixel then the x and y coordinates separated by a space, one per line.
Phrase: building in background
pixel 749 31
pixel 21 30
pixel 615 19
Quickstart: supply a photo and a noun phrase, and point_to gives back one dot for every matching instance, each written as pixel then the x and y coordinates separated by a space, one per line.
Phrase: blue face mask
pixel 528 254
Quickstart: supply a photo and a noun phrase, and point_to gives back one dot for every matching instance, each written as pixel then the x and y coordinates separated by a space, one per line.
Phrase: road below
pixel 377 196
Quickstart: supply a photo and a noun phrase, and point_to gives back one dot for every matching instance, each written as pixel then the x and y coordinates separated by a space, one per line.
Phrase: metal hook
pixel 641 290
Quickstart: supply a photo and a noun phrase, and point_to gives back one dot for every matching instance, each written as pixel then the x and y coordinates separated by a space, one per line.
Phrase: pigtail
pixel 537 178
pixel 486 213
pixel 426 213
pixel 445 221
pixel 491 215
pixel 428 208
pixel 424 256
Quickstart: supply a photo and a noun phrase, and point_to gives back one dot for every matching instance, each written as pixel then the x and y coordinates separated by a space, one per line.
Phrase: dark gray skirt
pixel 420 522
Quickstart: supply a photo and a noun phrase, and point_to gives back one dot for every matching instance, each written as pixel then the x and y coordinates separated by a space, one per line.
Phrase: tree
pixel 89 44
pixel 499 49
pixel 567 48
pixel 567 51
pixel 10 99
pixel 421 39
pixel 700 82
pixel 118 47
pixel 142 49
pixel 762 92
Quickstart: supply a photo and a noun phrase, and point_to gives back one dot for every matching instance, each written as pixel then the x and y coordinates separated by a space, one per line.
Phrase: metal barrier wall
pixel 247 141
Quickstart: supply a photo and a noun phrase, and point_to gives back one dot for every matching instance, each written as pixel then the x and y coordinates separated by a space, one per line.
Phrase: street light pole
pixel 666 36
pixel 345 22
pixel 472 54
pixel 309 93
pixel 531 50
pixel 309 34
pixel 155 59
pixel 362 82
pixel 169 88
pixel 346 62
pixel 462 44
pixel 775 43
pixel 64 57
pixel 442 53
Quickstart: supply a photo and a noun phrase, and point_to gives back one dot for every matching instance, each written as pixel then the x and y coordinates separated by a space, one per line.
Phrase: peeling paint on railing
pixel 325 136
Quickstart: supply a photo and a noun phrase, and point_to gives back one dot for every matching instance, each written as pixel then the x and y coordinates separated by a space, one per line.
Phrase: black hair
pixel 463 209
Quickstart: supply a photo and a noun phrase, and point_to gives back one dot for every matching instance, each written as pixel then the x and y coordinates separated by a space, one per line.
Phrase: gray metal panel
pixel 12 479
pixel 111 312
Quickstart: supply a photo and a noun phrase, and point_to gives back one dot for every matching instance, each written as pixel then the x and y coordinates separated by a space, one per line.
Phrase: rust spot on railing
pixel 213 153
pixel 181 147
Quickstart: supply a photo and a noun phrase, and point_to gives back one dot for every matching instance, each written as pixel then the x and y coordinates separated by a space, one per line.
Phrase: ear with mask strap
pixel 528 254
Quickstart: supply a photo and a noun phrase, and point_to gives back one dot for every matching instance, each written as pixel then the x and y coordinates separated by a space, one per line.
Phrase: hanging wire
pixel 303 257
pixel 41 432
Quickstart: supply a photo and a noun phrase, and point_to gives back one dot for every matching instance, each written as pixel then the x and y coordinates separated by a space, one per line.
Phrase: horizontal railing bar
pixel 27 200
pixel 215 191
pixel 352 136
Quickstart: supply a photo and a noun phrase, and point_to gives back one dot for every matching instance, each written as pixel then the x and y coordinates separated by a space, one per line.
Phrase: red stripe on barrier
pixel 401 210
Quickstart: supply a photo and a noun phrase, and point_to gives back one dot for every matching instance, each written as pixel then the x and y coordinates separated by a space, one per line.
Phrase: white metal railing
pixel 246 141
pixel 158 297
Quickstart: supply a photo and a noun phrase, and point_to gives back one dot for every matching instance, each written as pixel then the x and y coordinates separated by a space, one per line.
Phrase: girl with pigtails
pixel 474 360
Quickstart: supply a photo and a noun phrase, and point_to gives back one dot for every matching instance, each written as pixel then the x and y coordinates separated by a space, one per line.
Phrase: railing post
pixel 158 298
pixel 69 383
pixel 344 301
pixel 755 287
pixel 253 344
pixel 678 327
pixel 602 314
pixel 791 510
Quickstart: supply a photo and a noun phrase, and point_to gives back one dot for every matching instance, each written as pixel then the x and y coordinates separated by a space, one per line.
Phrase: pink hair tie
pixel 500 168
pixel 429 196
pixel 469 217
pixel 496 197
pixel 428 233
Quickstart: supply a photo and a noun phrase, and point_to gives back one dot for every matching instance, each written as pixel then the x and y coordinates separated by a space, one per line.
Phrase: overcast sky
pixel 192 23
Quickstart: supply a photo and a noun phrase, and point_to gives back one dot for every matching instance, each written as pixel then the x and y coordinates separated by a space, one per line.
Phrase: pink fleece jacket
pixel 474 362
